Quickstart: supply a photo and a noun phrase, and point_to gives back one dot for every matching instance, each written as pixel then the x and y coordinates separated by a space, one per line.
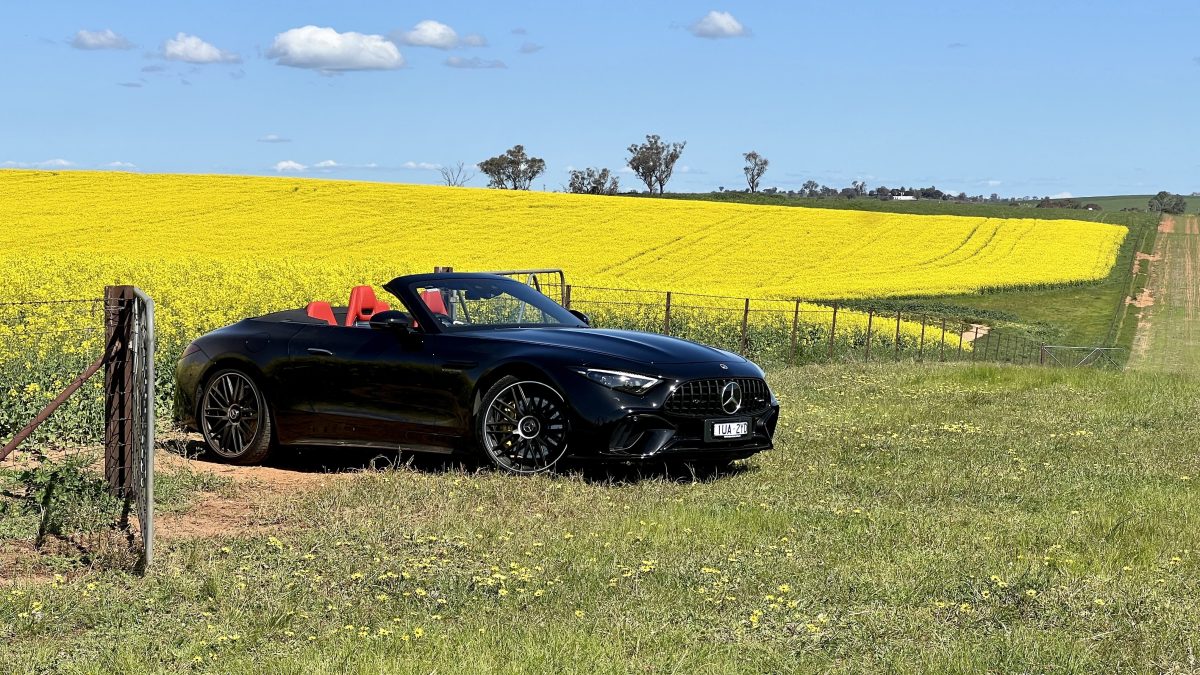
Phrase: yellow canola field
pixel 69 233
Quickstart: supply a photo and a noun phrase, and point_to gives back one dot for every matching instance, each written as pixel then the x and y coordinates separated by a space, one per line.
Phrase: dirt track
pixel 255 492
pixel 1168 337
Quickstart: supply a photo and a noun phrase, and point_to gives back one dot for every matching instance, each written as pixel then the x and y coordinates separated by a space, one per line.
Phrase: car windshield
pixel 460 304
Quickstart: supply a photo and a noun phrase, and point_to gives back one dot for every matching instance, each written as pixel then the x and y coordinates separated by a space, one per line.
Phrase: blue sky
pixel 1018 98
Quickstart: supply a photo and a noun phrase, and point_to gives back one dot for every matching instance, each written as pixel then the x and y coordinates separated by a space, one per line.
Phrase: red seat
pixel 322 311
pixel 432 298
pixel 363 305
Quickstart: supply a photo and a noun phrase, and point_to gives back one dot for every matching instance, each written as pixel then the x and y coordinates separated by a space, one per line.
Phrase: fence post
pixel 961 333
pixel 897 336
pixel 118 385
pixel 870 320
pixel 567 296
pixel 745 323
pixel 1041 355
pixel 667 316
pixel 975 344
pixel 832 330
pixel 921 349
pixel 795 328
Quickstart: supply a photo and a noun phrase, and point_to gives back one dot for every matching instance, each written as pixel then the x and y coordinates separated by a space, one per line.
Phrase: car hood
pixel 620 344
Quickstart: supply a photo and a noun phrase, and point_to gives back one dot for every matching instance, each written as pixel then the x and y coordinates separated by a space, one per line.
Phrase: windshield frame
pixel 523 292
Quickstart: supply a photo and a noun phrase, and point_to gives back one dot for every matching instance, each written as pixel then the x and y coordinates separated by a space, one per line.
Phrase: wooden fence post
pixel 667 316
pixel 567 296
pixel 118 386
pixel 795 328
pixel 832 330
pixel 745 326
pixel 870 320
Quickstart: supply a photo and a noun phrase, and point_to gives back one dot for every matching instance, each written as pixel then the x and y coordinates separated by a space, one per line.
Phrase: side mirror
pixel 581 316
pixel 393 319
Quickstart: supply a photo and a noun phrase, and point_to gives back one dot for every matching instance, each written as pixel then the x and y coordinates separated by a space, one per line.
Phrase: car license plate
pixel 727 430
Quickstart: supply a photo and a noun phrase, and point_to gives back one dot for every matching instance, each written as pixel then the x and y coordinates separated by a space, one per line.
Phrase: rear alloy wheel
pixel 523 425
pixel 234 418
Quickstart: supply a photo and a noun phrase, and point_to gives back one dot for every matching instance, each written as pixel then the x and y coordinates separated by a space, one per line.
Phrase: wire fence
pixel 798 331
pixel 73 374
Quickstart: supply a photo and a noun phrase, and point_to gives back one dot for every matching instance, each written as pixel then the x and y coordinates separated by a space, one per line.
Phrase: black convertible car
pixel 478 363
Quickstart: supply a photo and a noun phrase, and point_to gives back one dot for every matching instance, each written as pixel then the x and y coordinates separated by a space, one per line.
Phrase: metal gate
pixel 1082 357
pixel 127 360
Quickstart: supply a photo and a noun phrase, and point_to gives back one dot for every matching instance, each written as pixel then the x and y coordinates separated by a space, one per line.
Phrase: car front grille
pixel 702 398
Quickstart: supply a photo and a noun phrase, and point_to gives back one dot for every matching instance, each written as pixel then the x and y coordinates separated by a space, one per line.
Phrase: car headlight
pixel 630 383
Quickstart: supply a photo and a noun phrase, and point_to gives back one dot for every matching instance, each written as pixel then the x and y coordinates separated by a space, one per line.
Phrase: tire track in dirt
pixel 1168 337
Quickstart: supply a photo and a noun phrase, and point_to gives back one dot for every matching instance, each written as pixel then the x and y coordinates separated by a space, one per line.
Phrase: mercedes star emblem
pixel 731 398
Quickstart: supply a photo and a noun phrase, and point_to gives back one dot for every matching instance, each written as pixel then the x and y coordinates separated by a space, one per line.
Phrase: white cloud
pixel 274 138
pixel 473 62
pixel 423 166
pixel 718 25
pixel 191 49
pixel 47 164
pixel 530 48
pixel 328 51
pixel 1062 195
pixel 474 40
pixel 430 33
pixel 288 165
pixel 326 164
pixel 120 165
pixel 99 39
pixel 993 183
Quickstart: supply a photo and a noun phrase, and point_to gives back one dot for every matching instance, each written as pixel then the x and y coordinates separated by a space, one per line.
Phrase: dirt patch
pixel 245 507
pixel 1139 257
pixel 1167 225
pixel 1144 299
pixel 976 331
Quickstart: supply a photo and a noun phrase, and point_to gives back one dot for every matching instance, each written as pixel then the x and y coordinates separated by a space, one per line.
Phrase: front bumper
pixel 610 425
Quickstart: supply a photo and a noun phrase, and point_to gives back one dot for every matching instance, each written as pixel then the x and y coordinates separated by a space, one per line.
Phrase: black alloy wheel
pixel 523 427
pixel 234 418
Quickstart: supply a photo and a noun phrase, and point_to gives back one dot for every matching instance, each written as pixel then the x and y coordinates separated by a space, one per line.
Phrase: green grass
pixel 1118 202
pixel 1170 341
pixel 946 519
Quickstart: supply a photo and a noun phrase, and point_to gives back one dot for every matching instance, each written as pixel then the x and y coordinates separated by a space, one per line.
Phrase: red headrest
pixel 322 311
pixel 363 305
pixel 432 298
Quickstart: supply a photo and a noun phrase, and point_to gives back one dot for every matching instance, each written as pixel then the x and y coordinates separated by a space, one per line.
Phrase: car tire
pixel 522 425
pixel 234 418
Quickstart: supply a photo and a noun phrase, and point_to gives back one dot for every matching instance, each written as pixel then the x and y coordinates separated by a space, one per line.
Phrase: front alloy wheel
pixel 234 418
pixel 523 428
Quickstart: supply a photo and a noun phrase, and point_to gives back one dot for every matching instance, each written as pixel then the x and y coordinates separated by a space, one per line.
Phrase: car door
pixel 369 387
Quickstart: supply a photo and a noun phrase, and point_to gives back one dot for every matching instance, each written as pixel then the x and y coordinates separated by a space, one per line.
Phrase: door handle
pixel 320 352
